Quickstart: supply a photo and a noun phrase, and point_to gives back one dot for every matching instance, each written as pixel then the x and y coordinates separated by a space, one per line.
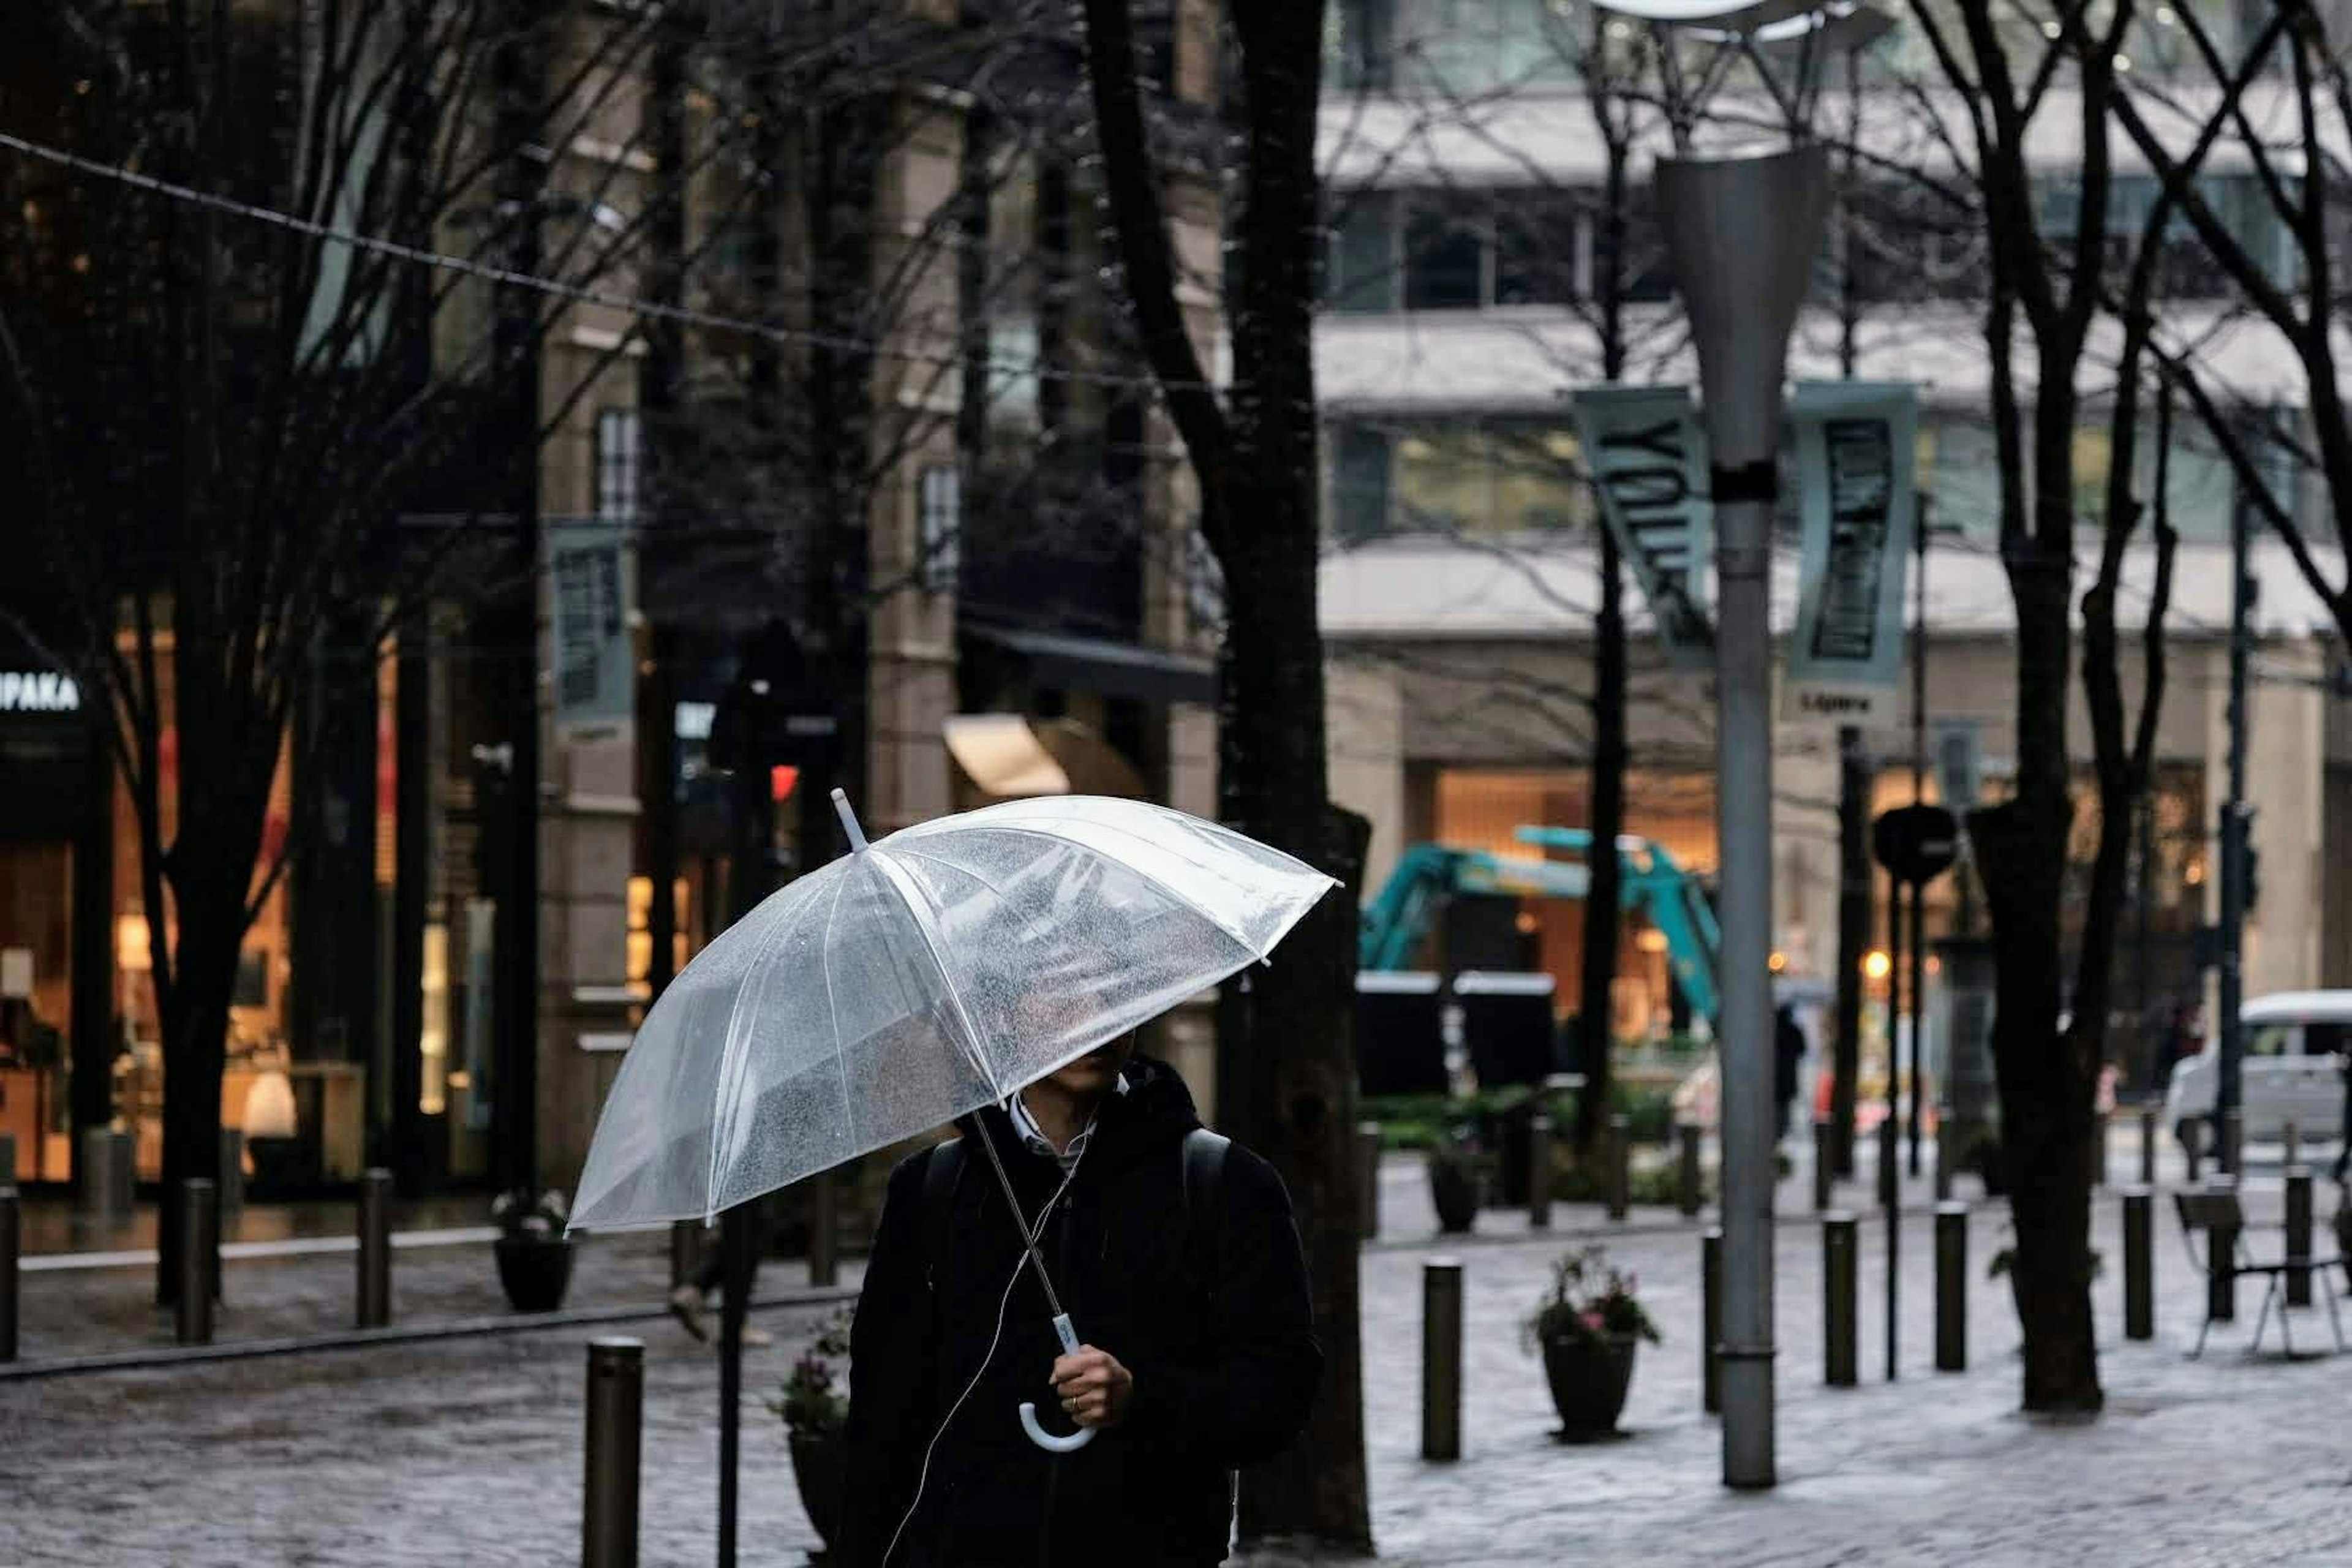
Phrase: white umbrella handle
pixel 1038 1435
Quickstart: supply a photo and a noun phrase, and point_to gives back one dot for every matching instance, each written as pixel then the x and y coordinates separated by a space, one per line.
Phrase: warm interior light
pixel 1651 940
pixel 1877 966
pixel 1778 963
pixel 132 952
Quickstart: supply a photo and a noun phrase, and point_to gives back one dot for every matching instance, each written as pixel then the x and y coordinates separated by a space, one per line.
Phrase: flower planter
pixel 1454 1187
pixel 1589 1378
pixel 818 1468
pixel 534 1271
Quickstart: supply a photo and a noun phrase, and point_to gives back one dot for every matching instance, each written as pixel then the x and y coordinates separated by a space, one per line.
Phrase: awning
pixel 1009 755
pixel 1112 668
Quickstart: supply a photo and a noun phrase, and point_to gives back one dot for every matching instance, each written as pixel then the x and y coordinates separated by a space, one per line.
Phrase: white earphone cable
pixel 923 1478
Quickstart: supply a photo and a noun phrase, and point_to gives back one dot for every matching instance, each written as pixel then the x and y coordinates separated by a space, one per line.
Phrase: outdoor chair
pixel 2208 1211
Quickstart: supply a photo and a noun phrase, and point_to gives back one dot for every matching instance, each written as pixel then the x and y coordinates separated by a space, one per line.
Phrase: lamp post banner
pixel 1647 458
pixel 1858 508
pixel 592 653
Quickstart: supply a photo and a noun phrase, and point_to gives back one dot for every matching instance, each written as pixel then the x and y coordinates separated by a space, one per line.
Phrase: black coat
pixel 1226 1368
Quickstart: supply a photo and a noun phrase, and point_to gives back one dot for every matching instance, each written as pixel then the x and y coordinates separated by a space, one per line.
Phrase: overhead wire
pixel 1035 366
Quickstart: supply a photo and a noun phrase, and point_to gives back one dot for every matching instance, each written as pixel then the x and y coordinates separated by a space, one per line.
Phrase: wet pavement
pixel 469 1450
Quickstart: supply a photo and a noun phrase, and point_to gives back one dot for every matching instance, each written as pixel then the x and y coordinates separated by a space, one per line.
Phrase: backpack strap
pixel 1204 1189
pixel 942 1169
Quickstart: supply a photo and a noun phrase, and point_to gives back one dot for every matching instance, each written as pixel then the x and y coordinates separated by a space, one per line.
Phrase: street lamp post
pixel 1741 233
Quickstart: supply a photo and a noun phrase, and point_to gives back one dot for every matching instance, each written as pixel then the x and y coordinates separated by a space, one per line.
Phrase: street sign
pixel 1915 843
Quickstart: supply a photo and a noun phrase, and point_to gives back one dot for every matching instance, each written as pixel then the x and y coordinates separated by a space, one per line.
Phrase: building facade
pixel 1492 250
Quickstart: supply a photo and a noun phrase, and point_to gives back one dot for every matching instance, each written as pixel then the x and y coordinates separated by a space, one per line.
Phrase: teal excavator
pixel 1399 919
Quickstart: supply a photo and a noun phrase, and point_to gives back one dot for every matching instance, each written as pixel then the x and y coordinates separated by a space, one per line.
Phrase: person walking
pixel 1175 1254
pixel 1788 1062
pixel 691 1302
pixel 2343 1133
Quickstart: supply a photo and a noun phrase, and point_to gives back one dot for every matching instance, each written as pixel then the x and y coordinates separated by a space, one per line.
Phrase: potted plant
pixel 1587 1328
pixel 815 1413
pixel 1457 1179
pixel 534 1254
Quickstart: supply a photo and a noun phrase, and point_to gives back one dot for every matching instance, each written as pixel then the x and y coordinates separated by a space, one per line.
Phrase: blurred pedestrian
pixel 1172 1250
pixel 1787 1061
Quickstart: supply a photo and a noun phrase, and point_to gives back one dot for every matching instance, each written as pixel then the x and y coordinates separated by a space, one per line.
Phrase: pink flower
pixel 1593 1319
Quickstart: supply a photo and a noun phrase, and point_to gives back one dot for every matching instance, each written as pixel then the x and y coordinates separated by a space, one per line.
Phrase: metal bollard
pixel 7 1159
pixel 2139 1263
pixel 1840 1300
pixel 1951 1287
pixel 1690 1186
pixel 1710 1312
pixel 1824 1165
pixel 1441 1358
pixel 2292 1138
pixel 2222 1263
pixel 2148 1145
pixel 2298 1232
pixel 11 1238
pixel 199 1241
pixel 823 1230
pixel 375 1248
pixel 1946 1128
pixel 616 1395
pixel 1621 1158
pixel 2099 1151
pixel 1889 1143
pixel 685 1251
pixel 2233 1144
pixel 105 1180
pixel 232 1171
pixel 1539 1173
pixel 1368 1176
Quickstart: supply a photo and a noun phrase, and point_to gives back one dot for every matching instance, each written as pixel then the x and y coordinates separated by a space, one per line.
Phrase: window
pixel 1360 268
pixel 940 530
pixel 1500 477
pixel 1643 275
pixel 1356 43
pixel 2327 1039
pixel 2271 1040
pixel 1359 482
pixel 1444 260
pixel 619 443
pixel 1537 257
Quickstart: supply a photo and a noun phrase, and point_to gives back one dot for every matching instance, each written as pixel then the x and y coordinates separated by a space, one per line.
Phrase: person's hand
pixel 1094 1388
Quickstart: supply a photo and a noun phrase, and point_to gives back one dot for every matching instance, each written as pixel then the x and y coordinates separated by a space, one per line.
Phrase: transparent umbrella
pixel 916 979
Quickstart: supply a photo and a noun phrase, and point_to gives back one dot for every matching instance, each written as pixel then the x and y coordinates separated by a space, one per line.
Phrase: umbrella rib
pixel 731 1059
pixel 833 1013
pixel 892 872
pixel 1182 898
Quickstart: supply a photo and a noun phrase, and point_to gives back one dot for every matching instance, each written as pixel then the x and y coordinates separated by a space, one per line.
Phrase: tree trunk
pixel 1595 1023
pixel 2045 1093
pixel 1258 472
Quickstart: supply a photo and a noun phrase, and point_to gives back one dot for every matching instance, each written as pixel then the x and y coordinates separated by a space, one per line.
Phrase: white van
pixel 2293 1069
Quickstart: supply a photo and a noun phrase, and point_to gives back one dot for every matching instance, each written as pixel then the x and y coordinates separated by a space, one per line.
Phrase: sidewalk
pixel 469 1450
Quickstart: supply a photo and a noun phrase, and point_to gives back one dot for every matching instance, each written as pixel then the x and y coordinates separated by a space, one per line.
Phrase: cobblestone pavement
pixel 470 1450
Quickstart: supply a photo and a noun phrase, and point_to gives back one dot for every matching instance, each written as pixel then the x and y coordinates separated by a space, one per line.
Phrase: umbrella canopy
pixel 918 979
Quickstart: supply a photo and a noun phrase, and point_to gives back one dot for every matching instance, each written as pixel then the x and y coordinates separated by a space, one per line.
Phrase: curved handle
pixel 1038 1435
pixel 1046 1440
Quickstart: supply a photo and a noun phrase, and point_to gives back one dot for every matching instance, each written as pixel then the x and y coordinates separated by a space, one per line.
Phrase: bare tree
pixel 2281 100
pixel 1292 1072
pixel 2003 78
pixel 232 370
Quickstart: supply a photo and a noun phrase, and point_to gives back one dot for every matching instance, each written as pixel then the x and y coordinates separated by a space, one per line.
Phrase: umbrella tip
pixel 849 821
